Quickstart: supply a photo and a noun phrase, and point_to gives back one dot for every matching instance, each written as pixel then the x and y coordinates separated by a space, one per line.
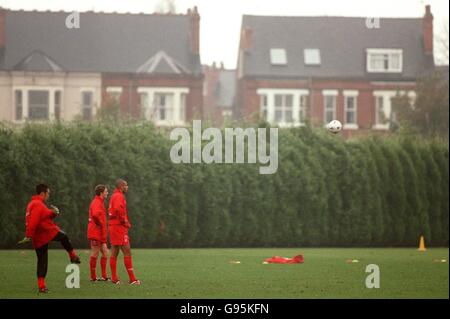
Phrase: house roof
pixel 225 89
pixel 105 42
pixel 342 42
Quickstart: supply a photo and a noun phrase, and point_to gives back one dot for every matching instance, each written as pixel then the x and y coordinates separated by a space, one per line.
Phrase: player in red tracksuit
pixel 118 232
pixel 97 232
pixel 41 229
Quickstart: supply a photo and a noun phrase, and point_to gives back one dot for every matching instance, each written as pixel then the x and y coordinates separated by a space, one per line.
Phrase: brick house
pixel 147 63
pixel 294 69
pixel 218 93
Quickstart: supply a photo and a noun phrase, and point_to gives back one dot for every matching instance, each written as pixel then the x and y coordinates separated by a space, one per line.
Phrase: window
pixel 312 56
pixel 183 98
pixel 393 118
pixel 302 108
pixel 18 98
pixel 329 106
pixel 57 105
pixel 143 97
pixel 227 114
pixel 38 105
pixel 283 108
pixel 394 62
pixel 86 104
pixel 412 99
pixel 278 57
pixel 384 60
pixel 114 93
pixel 350 109
pixel 383 108
pixel 263 106
pixel 164 106
pixel 380 116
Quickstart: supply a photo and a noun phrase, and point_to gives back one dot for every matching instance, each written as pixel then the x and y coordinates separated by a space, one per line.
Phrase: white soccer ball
pixel 334 126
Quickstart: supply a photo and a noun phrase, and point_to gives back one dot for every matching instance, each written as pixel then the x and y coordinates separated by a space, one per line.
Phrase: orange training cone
pixel 422 244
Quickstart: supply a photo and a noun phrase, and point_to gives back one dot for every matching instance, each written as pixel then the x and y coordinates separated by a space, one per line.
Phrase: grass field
pixel 208 273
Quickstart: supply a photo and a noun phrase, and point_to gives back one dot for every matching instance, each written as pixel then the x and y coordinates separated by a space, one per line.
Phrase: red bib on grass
pixel 283 260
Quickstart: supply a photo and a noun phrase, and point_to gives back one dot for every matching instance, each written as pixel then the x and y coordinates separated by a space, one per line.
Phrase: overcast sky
pixel 221 19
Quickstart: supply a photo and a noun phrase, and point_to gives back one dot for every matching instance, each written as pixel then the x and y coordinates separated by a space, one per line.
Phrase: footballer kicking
pixel 118 232
pixel 97 233
pixel 40 230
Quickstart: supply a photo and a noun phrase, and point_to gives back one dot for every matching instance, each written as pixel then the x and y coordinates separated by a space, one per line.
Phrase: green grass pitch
pixel 208 273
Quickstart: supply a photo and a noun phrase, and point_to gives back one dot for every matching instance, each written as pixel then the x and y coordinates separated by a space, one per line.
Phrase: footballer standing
pixel 97 233
pixel 119 224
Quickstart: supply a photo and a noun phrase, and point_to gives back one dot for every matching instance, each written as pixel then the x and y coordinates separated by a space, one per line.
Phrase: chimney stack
pixel 2 27
pixel 246 39
pixel 195 30
pixel 428 31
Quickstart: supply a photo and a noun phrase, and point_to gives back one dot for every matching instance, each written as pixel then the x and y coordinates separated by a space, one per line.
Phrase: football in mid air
pixel 334 126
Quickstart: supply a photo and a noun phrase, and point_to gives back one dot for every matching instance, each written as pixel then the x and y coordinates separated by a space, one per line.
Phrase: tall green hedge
pixel 327 192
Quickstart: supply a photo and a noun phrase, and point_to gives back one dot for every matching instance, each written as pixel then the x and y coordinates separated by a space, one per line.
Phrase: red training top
pixel 118 214
pixel 39 222
pixel 97 220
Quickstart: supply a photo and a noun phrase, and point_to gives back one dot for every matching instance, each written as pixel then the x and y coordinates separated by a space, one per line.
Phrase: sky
pixel 221 19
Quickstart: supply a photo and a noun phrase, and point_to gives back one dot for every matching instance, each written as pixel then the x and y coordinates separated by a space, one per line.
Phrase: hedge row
pixel 327 192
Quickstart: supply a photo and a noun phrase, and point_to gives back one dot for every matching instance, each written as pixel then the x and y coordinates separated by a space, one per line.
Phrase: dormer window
pixel 384 60
pixel 278 57
pixel 312 56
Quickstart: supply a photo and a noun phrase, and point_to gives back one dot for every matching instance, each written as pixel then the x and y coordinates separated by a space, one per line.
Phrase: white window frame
pixel 278 56
pixel 177 107
pixel 387 106
pixel 182 109
pixel 227 113
pixel 325 94
pixel 25 103
pixel 114 92
pixel 389 52
pixel 305 111
pixel 92 90
pixel 284 107
pixel 114 89
pixel 164 101
pixel 270 93
pixel 353 94
pixel 310 52
pixel 412 95
pixel 263 106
